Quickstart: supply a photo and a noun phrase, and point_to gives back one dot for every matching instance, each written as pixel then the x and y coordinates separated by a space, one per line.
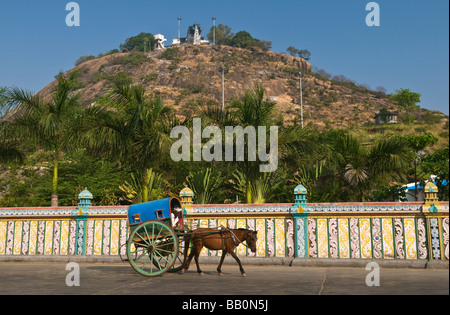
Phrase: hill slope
pixel 190 73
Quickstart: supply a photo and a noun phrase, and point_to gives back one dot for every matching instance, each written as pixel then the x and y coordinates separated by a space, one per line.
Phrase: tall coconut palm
pixel 130 127
pixel 294 143
pixel 47 124
pixel 252 110
pixel 9 150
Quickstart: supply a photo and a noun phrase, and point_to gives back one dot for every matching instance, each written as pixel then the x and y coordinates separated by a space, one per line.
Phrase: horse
pixel 219 239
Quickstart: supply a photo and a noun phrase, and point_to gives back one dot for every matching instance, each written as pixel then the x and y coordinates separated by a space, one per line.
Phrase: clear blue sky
pixel 409 50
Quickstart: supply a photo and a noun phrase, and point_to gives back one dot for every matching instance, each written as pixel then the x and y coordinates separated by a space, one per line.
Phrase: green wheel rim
pixel 152 248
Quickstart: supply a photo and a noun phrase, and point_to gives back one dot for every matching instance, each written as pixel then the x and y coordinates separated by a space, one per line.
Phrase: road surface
pixel 121 279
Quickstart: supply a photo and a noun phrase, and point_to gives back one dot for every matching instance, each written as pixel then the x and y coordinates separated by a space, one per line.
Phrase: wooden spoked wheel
pixel 179 259
pixel 152 248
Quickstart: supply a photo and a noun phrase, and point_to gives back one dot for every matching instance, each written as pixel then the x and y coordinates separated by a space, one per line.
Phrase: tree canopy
pixel 118 146
pixel 222 34
pixel 302 53
pixel 241 39
pixel 49 124
pixel 141 42
pixel 406 98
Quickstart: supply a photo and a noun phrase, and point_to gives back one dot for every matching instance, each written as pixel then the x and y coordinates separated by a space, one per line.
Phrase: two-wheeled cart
pixel 156 237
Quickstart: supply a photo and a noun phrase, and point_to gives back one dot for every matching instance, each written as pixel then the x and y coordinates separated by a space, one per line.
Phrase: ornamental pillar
pixel 81 215
pixel 300 213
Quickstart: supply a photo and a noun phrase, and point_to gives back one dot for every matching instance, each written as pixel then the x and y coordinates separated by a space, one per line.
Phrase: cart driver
pixel 177 217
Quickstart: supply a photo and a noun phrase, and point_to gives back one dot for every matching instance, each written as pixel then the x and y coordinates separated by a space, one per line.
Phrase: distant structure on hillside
pixel 194 37
pixel 160 40
pixel 386 117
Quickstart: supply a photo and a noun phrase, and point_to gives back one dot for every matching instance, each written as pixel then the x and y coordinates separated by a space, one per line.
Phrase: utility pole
pixel 415 179
pixel 223 93
pixel 214 30
pixel 301 98
pixel 179 25
pixel 223 69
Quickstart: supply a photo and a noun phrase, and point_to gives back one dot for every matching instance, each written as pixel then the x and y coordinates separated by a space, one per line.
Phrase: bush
pixel 170 53
pixel 111 52
pixel 293 71
pixel 122 79
pixel 322 74
pixel 99 76
pixel 328 99
pixel 150 77
pixel 292 83
pixel 196 88
pixel 407 119
pixel 83 59
pixel 132 60
pixel 429 118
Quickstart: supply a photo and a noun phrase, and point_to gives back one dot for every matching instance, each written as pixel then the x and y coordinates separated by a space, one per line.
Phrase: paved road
pixel 121 279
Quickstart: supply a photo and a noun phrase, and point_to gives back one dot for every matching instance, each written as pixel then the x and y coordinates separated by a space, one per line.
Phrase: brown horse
pixel 219 239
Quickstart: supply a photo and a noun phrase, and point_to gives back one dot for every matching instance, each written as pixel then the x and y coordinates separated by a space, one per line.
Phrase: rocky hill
pixel 190 74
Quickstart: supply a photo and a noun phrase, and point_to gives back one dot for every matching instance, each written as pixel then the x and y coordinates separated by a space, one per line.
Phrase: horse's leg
pixel 219 268
pixel 191 255
pixel 186 266
pixel 187 243
pixel 197 253
pixel 239 262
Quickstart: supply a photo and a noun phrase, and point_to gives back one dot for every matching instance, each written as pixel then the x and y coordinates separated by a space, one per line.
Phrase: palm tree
pixel 133 128
pixel 3 102
pixel 45 123
pixel 9 150
pixel 252 110
pixel 205 184
pixel 133 191
pixel 354 169
pixel 295 144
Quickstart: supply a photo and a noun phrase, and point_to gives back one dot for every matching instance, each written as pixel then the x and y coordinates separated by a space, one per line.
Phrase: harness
pixel 222 230
pixel 235 239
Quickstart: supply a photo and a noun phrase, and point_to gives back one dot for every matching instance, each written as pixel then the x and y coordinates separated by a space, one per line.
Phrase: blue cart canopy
pixel 153 210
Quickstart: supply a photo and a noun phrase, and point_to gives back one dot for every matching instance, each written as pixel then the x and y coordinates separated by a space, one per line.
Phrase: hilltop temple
pixel 194 37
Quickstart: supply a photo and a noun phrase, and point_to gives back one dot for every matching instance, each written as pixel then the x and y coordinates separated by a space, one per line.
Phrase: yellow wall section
pixel 344 249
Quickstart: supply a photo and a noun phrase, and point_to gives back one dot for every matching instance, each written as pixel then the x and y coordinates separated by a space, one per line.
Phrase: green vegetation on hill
pixel 119 149
pixel 145 42
pixel 242 39
pixel 142 42
pixel 116 141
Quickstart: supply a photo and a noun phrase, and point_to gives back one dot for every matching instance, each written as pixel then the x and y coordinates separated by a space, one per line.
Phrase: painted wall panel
pixel 381 232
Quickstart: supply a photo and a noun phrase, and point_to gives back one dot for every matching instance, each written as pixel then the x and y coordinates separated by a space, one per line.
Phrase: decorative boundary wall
pixel 377 235
pixel 274 223
pixel 342 230
pixel 63 231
